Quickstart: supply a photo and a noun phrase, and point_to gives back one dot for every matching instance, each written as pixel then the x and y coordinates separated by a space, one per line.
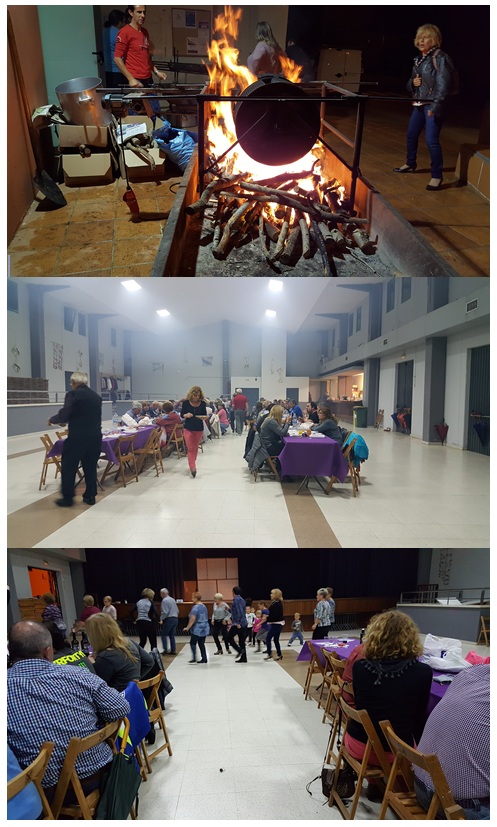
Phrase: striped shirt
pixel 458 732
pixel 47 703
pixel 322 613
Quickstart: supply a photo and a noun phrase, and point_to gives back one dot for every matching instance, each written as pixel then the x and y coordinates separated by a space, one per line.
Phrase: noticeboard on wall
pixel 191 31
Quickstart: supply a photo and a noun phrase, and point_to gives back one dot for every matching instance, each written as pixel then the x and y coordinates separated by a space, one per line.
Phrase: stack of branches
pixel 290 220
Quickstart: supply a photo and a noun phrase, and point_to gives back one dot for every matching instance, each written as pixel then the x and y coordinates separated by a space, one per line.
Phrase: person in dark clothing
pixel 390 683
pixel 238 625
pixel 63 653
pixel 312 412
pixel 276 623
pixel 82 412
pixel 296 53
pixel 328 426
pixel 118 659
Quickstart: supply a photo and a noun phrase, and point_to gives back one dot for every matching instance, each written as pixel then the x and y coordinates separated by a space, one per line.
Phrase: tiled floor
pixel 250 721
pixel 94 234
pixel 412 495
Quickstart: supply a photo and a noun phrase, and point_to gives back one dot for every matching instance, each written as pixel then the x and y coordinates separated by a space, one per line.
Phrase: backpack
pixel 454 74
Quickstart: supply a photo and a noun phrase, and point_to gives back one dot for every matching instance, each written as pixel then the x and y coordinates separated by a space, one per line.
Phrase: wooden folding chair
pixel 155 715
pixel 334 671
pixel 484 630
pixel 379 418
pixel 151 449
pixel 353 472
pixel 34 773
pixel 62 434
pixel 270 462
pixel 125 455
pixel 405 804
pixel 177 439
pixel 316 667
pixel 48 445
pixel 86 805
pixel 362 768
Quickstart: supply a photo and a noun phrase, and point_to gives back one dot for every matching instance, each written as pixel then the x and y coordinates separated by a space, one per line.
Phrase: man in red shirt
pixel 132 53
pixel 240 406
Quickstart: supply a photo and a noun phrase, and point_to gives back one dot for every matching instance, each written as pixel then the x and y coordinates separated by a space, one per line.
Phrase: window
pixel 113 337
pixel 390 295
pixel 81 324
pixel 12 296
pixel 358 319
pixel 405 290
pixel 69 318
pixel 351 324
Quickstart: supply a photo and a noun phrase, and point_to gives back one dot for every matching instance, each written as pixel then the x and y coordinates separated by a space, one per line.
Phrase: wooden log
pixel 219 252
pixel 285 227
pixel 316 210
pixel 304 229
pixel 218 184
pixel 293 246
pixel 262 238
pixel 329 267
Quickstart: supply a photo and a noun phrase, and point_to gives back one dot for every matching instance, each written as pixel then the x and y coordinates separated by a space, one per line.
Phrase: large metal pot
pixel 81 104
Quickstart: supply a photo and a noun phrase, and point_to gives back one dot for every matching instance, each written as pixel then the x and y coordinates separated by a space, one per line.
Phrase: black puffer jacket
pixel 436 70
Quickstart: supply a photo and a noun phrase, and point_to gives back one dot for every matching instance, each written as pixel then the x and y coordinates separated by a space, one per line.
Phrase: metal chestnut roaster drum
pixel 282 127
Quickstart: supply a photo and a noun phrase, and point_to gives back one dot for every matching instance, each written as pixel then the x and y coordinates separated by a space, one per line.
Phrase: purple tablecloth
pixel 342 652
pixel 308 457
pixel 437 690
pixel 109 443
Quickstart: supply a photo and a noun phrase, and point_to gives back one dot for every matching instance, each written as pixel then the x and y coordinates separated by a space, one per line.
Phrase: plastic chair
pixel 155 715
pixel 405 804
pixel 86 805
pixel 34 773
pixel 361 767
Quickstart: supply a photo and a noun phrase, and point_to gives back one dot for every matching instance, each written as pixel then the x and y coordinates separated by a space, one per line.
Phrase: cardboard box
pixel 74 136
pixel 78 171
pixel 141 119
pixel 138 169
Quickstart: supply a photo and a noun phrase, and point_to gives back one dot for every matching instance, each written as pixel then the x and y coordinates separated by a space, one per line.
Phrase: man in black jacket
pixel 82 412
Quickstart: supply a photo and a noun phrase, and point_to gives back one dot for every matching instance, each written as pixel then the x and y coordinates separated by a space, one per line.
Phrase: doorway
pixel 479 401
pixel 252 395
pixel 403 397
pixel 43 581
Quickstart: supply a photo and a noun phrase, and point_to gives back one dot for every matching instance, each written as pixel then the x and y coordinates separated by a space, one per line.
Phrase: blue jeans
pixel 168 630
pixel 194 639
pixel 298 635
pixel 433 125
pixel 478 811
pixel 274 634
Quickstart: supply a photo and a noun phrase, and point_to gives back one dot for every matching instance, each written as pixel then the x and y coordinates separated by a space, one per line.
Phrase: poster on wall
pixel 58 355
pixel 203 33
pixel 192 46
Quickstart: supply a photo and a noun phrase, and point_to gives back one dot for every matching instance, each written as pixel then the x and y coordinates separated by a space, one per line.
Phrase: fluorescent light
pixel 271 313
pixel 163 312
pixel 275 285
pixel 131 285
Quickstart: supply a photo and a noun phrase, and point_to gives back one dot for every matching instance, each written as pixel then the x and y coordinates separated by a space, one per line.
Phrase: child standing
pixel 250 625
pixel 297 630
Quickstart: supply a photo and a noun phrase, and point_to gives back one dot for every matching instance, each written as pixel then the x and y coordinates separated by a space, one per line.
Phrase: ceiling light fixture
pixel 271 314
pixel 131 285
pixel 275 285
pixel 163 312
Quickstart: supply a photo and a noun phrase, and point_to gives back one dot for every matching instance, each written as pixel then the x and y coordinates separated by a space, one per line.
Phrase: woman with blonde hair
pixel 276 622
pixel 194 414
pixel 272 431
pixel 146 617
pixel 118 660
pixel 430 84
pixel 390 683
pixel 265 59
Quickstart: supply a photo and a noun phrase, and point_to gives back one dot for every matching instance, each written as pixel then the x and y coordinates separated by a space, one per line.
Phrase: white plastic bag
pixel 443 654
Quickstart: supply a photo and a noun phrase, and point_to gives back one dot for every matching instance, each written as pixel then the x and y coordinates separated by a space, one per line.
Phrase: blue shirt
pixel 295 411
pixel 238 613
pixel 201 625
pixel 27 803
pixel 110 35
pixel 168 608
pixel 48 703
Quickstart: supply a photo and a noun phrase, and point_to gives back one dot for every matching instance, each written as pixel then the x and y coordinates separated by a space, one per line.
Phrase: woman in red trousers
pixel 194 413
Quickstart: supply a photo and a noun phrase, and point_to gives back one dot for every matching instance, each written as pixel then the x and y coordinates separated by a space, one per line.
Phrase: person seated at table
pixel 328 425
pixel 48 703
pixel 312 412
pixel 153 410
pixel 118 659
pixel 391 684
pixel 167 421
pixel 294 409
pixel 272 431
pixel 132 417
pixel 223 418
pixel 458 733
pixel 357 654
pixel 63 653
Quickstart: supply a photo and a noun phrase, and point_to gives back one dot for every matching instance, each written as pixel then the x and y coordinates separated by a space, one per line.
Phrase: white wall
pixel 460 568
pixel 273 372
pixel 18 336
pixel 75 347
pixel 111 359
pixel 387 391
pixel 244 350
pixel 302 353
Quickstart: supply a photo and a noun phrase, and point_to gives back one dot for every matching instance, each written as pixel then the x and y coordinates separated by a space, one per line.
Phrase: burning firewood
pixel 285 227
pixel 293 247
pixel 329 267
pixel 217 184
pixel 220 251
pixel 304 229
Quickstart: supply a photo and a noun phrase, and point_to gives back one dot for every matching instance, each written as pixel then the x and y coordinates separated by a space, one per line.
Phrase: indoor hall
pixel 400 366
pixel 215 772
pixel 78 224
